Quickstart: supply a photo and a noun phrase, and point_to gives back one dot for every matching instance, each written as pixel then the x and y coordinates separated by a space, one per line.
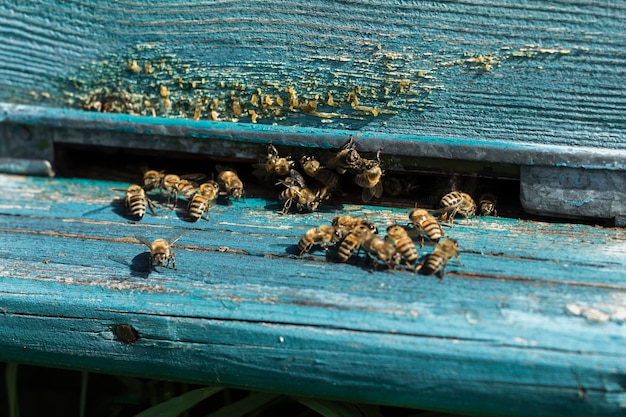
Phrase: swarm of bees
pixel 305 184
pixel 200 193
pixel 349 235
pixel 308 182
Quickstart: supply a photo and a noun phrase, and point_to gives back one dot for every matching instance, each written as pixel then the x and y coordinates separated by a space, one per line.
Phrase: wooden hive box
pixel 523 99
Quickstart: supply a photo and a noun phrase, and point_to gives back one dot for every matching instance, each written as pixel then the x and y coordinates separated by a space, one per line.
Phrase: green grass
pixel 49 392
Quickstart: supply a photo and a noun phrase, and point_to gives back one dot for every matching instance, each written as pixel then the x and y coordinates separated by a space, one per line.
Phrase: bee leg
pixel 150 205
pixel 441 272
pixel 175 200
pixel 172 258
pixel 286 206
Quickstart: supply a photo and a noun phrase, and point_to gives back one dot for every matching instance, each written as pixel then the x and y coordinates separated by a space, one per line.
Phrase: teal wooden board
pixel 531 322
pixel 543 72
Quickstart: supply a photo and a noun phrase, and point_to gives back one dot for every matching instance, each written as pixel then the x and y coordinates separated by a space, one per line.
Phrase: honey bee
pixel 398 236
pixel 487 205
pixel 231 184
pixel 297 191
pixel 346 158
pixel 437 260
pixel 323 235
pixel 383 251
pixel 369 178
pixel 273 165
pixel 426 224
pixel 314 169
pixel 202 200
pixel 152 179
pixel 457 202
pixel 160 251
pixel 136 201
pixel 173 185
pixel 345 224
pixel 352 241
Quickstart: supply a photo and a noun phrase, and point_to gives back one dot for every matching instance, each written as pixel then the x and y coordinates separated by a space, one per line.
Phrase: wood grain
pixel 531 321
pixel 533 71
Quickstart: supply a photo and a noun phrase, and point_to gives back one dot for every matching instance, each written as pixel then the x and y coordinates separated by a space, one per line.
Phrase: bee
pixel 231 184
pixel 173 185
pixel 345 224
pixel 152 179
pixel 202 200
pixel 456 202
pixel 398 236
pixel 314 169
pixel 369 178
pixel 487 205
pixel 426 224
pixel 297 190
pixel 323 235
pixel 436 262
pixel 352 241
pixel 136 201
pixel 273 165
pixel 383 251
pixel 160 251
pixel 346 158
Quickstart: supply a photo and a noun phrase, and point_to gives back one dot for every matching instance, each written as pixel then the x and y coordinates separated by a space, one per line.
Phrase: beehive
pixel 523 97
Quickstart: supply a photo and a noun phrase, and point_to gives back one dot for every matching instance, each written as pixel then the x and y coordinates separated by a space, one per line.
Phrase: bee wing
pixel 144 240
pixel 220 168
pixel 119 189
pixel 196 177
pixel 375 191
pixel 175 237
pixel 297 177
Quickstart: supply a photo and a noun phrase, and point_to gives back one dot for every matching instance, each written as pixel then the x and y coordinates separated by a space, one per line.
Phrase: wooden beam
pixel 530 323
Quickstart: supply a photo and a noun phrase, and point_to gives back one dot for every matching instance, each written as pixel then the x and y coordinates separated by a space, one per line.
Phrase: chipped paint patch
pixel 590 313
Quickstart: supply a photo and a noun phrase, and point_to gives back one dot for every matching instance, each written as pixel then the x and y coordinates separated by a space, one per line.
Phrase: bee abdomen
pixel 137 206
pixel 432 230
pixel 407 248
pixel 197 207
pixel 433 263
pixel 345 250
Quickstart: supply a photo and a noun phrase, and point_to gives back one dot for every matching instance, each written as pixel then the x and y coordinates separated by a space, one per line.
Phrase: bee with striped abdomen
pixel 426 224
pixel 398 236
pixel 322 235
pixel 436 262
pixel 352 241
pixel 201 201
pixel 383 251
pixel 457 202
pixel 136 202
pixel 297 191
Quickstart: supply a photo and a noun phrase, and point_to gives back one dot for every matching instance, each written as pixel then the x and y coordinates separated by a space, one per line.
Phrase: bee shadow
pixel 140 265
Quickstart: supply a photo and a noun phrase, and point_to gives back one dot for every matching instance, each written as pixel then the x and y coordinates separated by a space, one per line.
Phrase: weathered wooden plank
pixel 537 71
pixel 524 326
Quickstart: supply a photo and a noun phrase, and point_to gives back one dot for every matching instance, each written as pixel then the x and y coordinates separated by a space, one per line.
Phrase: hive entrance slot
pixel 423 188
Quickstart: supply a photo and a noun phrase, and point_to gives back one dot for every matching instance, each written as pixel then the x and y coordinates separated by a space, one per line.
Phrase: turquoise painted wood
pixel 530 323
pixel 540 71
